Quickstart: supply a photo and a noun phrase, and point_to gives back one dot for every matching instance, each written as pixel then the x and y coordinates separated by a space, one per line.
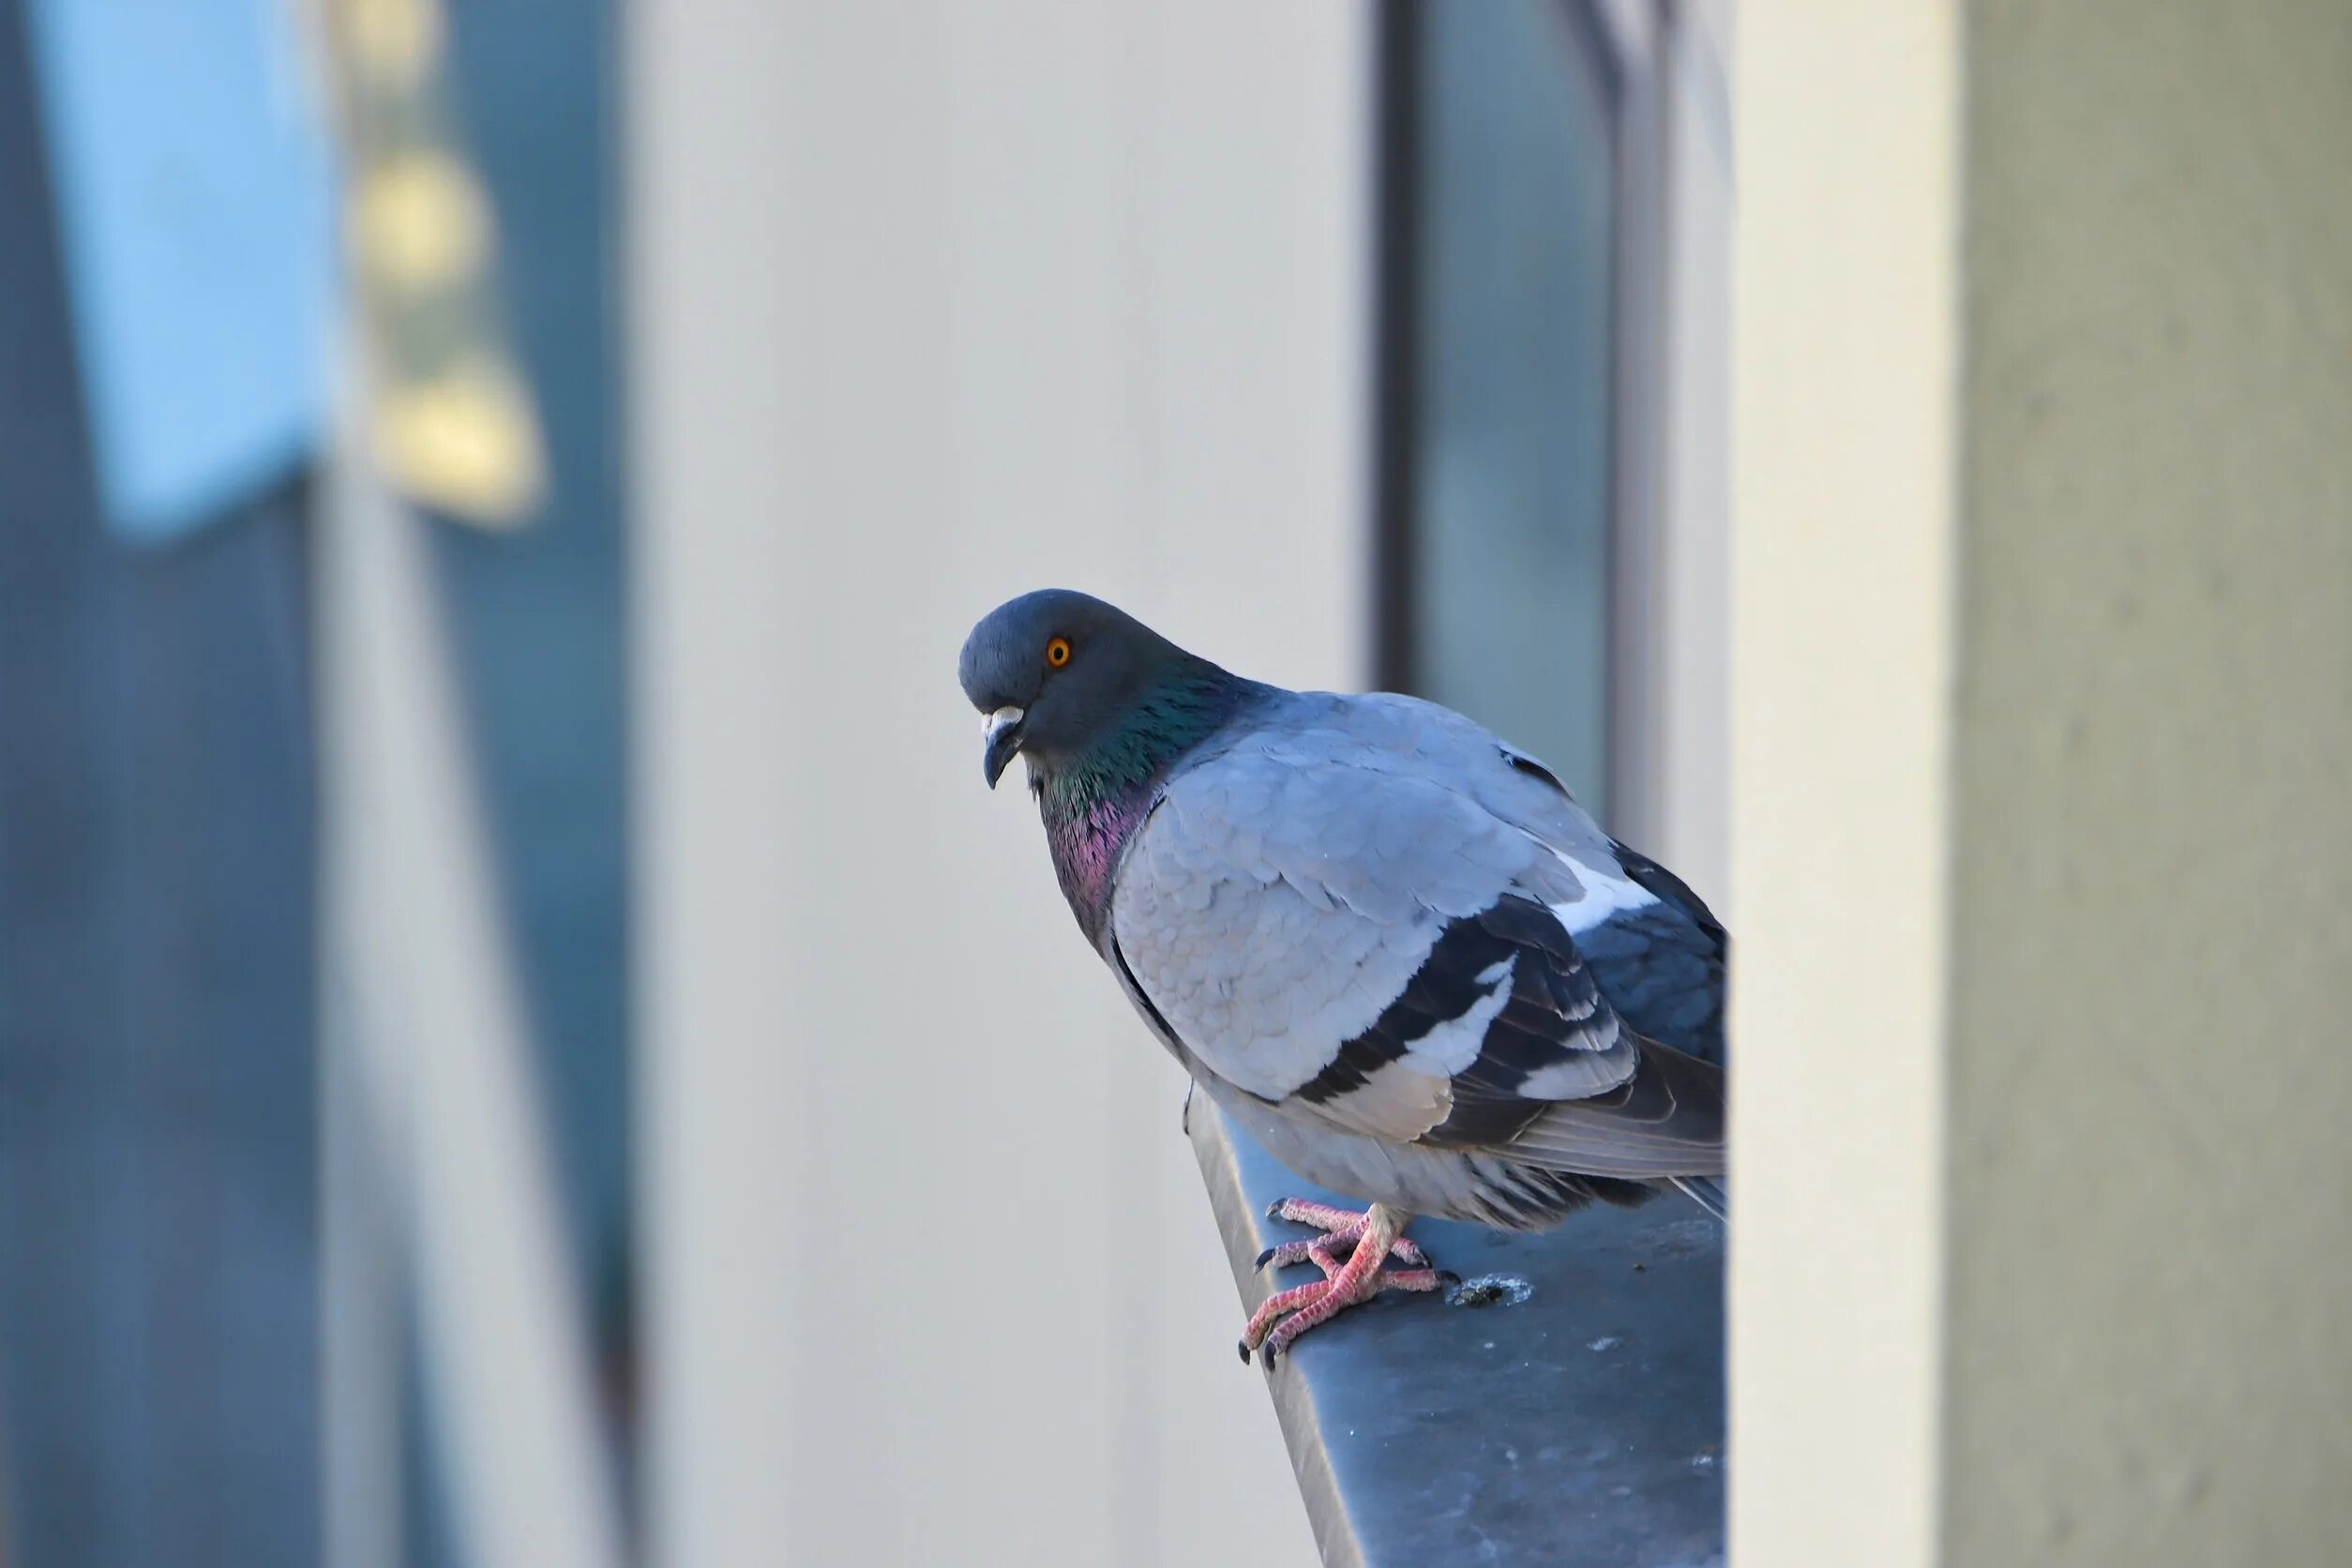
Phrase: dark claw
pixel 1261 1259
pixel 1448 1278
pixel 1243 1346
pixel 1274 1210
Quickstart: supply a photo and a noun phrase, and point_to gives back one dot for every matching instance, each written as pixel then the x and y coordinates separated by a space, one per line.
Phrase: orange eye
pixel 1058 653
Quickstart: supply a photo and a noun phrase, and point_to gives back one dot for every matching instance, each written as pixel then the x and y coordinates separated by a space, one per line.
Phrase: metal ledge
pixel 1584 1426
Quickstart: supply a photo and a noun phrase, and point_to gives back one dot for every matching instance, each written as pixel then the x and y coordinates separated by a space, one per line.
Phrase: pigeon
pixel 1389 945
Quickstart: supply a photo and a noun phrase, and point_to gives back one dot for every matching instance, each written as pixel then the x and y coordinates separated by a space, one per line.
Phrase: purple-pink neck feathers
pixel 1086 838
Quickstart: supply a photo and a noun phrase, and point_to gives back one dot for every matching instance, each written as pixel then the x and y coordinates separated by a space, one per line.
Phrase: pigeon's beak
pixel 1001 737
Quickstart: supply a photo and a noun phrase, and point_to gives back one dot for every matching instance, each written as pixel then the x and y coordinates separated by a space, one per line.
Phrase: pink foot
pixel 1351 1270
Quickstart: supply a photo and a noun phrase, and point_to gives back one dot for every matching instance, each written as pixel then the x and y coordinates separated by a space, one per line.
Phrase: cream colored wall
pixel 1844 364
pixel 2042 846
pixel 937 304
pixel 2150 1229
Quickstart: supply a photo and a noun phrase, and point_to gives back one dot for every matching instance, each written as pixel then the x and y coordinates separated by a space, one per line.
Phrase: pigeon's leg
pixel 1341 1227
pixel 1277 1324
pixel 1322 1216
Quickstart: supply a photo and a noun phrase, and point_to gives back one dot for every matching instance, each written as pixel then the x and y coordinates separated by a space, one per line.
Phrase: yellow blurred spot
pixel 420 221
pixel 396 41
pixel 464 441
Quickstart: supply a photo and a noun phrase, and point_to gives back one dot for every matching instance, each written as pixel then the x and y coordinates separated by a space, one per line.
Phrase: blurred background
pixel 522 1040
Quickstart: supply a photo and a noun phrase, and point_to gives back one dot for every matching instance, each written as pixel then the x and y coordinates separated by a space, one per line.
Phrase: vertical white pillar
pixel 1846 278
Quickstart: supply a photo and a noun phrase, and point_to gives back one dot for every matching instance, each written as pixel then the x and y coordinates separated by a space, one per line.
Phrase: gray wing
pixel 1365 914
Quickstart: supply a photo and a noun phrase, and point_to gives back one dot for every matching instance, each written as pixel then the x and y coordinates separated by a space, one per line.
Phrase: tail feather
pixel 1709 1193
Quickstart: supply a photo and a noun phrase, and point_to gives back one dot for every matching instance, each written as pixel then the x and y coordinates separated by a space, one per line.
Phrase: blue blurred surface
pixel 159 1394
pixel 195 198
pixel 158 1195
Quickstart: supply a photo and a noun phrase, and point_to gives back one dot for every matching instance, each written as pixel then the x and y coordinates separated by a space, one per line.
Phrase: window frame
pixel 1667 458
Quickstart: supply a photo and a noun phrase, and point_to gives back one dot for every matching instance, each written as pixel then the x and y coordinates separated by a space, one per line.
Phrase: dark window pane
pixel 1511 411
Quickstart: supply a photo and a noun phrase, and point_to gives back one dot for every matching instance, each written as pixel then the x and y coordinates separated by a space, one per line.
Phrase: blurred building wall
pixel 536 614
pixel 519 104
pixel 2041 844
pixel 934 305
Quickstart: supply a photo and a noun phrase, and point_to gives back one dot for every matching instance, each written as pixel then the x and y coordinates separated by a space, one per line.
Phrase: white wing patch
pixel 1453 1045
pixel 1595 1068
pixel 1602 896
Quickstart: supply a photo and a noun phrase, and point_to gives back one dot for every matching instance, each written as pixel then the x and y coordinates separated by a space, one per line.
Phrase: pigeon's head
pixel 1056 672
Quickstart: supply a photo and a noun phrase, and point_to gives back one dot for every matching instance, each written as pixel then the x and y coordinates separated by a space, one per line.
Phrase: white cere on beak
pixel 1002 719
